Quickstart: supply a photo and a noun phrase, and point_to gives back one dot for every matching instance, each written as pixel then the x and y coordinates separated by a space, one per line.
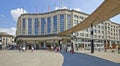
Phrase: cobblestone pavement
pixel 28 58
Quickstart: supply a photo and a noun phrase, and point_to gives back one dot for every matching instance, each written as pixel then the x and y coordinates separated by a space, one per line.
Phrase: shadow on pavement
pixel 80 59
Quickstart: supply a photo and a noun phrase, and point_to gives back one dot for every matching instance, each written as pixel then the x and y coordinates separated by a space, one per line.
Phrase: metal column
pixel 92 39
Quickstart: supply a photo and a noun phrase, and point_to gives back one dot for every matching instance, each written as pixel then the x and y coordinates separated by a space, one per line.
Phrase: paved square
pixel 28 58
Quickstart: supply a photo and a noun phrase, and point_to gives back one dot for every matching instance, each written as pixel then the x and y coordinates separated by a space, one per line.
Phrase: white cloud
pixel 11 31
pixel 17 12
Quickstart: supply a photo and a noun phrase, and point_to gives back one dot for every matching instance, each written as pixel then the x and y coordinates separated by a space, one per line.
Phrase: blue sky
pixel 11 9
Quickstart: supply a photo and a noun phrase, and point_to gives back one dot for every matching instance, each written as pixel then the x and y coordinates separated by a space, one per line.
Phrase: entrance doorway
pixel 28 47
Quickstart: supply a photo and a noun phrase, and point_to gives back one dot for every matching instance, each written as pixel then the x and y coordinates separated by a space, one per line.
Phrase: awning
pixel 108 9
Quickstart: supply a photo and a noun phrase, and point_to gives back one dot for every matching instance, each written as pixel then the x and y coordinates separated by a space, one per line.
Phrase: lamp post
pixel 72 42
pixel 92 39
pixel 105 29
pixel 73 37
pixel 119 38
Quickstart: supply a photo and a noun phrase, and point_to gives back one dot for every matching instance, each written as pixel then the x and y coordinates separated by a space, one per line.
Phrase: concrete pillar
pixel 35 46
pixel 54 44
pixel 24 45
pixel 74 47
pixel 84 45
pixel 110 44
pixel 39 45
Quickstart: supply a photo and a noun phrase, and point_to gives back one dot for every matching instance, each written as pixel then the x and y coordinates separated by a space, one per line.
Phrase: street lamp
pixel 72 39
pixel 119 38
pixel 105 43
pixel 92 39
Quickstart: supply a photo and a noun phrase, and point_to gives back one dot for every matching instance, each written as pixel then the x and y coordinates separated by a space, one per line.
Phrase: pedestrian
pixel 66 49
pixel 23 49
pixel 32 49
pixel 19 49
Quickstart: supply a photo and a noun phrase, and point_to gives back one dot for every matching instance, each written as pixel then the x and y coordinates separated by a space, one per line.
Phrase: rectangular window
pixel 81 34
pixel 98 31
pixel 75 16
pixel 99 26
pixel 77 34
pixel 43 25
pixel 23 26
pixel 0 38
pixel 95 36
pixel 69 24
pixel 29 26
pixel 55 24
pixel 95 30
pixel 75 21
pixel 108 28
pixel 86 35
pixel 36 26
pixel 62 22
pixel 23 23
pixel 99 36
pixel 81 17
pixel 48 25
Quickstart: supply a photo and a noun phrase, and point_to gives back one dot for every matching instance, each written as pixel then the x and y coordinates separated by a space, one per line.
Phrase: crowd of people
pixel 23 49
pixel 64 49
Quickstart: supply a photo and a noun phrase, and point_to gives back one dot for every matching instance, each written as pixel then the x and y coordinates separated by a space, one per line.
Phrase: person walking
pixel 66 49
pixel 23 49
pixel 32 49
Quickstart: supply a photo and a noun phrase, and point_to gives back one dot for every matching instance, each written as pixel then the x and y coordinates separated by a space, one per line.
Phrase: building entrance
pixel 28 47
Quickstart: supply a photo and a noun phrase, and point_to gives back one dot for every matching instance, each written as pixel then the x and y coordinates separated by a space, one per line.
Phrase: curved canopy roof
pixel 106 10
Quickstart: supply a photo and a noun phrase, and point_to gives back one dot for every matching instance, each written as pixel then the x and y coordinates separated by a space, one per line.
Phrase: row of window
pixel 46 25
pixel 102 32
pixel 106 28
pixel 79 17
pixel 95 36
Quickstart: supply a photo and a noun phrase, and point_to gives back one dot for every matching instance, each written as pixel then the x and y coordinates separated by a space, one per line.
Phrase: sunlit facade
pixel 33 28
pixel 6 40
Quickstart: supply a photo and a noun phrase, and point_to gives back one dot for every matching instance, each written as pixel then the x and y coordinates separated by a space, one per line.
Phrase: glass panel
pixel 43 25
pixel 55 24
pixel 29 26
pixel 36 26
pixel 69 21
pixel 62 22
pixel 23 23
pixel 23 26
pixel 48 25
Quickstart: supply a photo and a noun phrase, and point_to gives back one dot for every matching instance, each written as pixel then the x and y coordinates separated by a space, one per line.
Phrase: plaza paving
pixel 28 58
pixel 51 58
